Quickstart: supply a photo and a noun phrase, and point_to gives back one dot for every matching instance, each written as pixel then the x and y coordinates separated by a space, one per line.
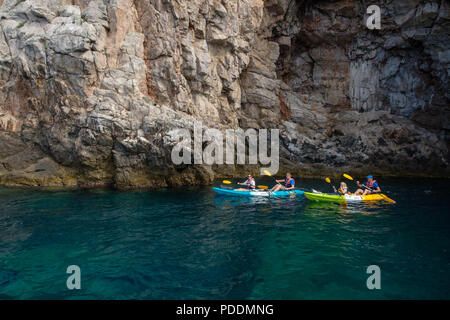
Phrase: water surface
pixel 192 244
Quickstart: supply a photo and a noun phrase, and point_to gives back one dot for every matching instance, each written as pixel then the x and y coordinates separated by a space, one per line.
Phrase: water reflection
pixel 313 207
pixel 261 203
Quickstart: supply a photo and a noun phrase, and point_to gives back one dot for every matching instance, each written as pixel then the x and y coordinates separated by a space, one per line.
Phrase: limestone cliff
pixel 91 91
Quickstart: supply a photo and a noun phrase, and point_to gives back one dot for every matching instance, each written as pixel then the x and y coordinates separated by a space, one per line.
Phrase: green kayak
pixel 324 197
pixel 347 197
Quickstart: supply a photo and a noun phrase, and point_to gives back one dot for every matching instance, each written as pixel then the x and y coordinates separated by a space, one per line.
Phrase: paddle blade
pixel 263 187
pixel 387 198
pixel 267 173
pixel 347 176
pixel 226 182
pixel 327 180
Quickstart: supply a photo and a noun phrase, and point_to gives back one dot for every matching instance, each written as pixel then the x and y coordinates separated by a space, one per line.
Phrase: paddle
pixel 268 173
pixel 239 183
pixel 381 195
pixel 329 181
pixel 229 182
pixel 387 198
pixel 347 176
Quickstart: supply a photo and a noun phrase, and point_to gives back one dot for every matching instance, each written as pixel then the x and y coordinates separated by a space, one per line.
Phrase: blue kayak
pixel 258 193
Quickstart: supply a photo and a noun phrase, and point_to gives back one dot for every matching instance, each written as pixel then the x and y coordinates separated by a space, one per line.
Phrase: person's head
pixel 369 178
pixel 249 177
pixel 343 185
pixel 288 175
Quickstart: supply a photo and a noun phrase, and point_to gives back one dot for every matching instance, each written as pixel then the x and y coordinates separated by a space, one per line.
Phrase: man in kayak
pixel 289 184
pixel 371 186
pixel 249 184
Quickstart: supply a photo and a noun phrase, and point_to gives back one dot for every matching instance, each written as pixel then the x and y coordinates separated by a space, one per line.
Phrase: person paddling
pixel 371 186
pixel 289 184
pixel 249 184
pixel 342 189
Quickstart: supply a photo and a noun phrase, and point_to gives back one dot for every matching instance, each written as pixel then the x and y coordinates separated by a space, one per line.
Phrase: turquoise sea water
pixel 192 244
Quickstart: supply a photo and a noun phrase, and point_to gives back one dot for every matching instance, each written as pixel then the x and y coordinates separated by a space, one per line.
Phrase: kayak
pixel 344 198
pixel 258 193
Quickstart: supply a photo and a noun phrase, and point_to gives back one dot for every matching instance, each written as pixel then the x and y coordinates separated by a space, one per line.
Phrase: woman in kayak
pixel 249 184
pixel 289 184
pixel 342 189
pixel 371 186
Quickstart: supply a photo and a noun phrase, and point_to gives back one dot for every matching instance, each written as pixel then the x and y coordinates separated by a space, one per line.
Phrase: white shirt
pixel 252 182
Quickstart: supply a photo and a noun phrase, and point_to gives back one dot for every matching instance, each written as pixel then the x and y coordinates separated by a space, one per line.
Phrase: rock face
pixel 91 92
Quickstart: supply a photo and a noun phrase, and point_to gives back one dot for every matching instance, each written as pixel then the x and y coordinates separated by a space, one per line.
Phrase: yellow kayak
pixel 346 198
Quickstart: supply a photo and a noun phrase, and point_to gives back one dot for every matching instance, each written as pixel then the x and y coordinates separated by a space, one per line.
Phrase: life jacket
pixel 370 185
pixel 249 182
pixel 288 184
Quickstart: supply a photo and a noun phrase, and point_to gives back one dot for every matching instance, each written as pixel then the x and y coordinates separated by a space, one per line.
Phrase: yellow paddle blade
pixel 267 173
pixel 387 198
pixel 347 176
pixel 263 187
pixel 226 182
pixel 327 180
